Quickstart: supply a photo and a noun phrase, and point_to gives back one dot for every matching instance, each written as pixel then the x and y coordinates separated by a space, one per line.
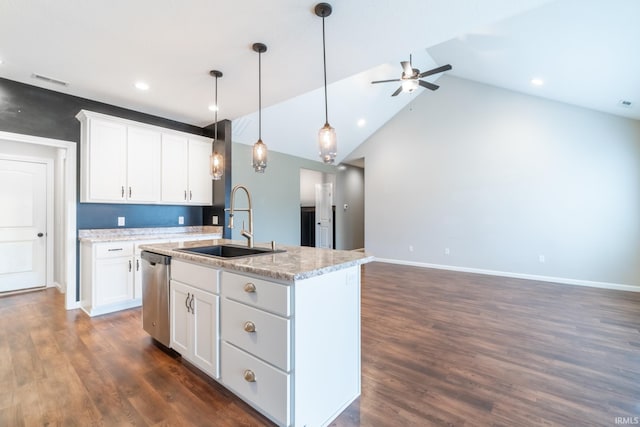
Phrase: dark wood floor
pixel 438 348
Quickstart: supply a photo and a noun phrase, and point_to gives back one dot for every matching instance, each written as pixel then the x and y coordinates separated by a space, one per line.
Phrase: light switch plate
pixel 214 220
pixel 120 221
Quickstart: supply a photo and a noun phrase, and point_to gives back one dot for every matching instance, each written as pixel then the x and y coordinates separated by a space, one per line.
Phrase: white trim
pixel 562 280
pixel 70 231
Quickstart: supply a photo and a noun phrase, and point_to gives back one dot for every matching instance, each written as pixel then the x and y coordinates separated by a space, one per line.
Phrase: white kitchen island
pixel 280 330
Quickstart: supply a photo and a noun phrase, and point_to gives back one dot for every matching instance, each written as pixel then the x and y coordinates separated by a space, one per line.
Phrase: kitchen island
pixel 281 330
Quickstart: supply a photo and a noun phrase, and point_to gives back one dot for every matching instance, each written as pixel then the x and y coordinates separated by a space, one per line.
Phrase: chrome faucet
pixel 248 234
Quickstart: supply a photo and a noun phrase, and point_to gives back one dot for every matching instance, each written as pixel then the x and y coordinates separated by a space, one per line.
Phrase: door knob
pixel 40 234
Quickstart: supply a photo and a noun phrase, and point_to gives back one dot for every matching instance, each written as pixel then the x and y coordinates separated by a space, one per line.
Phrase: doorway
pixel 63 156
pixel 26 193
pixel 317 208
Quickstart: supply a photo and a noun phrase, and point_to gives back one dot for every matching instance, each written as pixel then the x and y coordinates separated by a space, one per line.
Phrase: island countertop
pixel 296 263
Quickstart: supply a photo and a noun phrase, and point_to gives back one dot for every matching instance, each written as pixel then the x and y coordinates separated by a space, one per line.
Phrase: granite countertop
pixel 125 234
pixel 296 263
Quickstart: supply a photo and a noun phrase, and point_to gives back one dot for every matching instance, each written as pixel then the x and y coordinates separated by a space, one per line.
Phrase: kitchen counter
pixel 127 234
pixel 296 263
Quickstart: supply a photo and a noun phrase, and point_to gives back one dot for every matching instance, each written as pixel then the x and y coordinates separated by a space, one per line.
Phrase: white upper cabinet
pixel 175 169
pixel 143 165
pixel 106 179
pixel 128 162
pixel 200 186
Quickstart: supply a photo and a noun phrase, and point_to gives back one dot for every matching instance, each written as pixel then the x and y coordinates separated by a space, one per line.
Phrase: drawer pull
pixel 249 287
pixel 249 376
pixel 249 326
pixel 115 249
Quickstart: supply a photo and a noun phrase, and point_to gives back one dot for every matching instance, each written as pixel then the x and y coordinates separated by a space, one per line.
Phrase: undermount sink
pixel 228 251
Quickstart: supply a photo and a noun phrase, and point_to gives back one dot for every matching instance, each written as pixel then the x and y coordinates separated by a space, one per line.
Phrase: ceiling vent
pixel 625 104
pixel 49 79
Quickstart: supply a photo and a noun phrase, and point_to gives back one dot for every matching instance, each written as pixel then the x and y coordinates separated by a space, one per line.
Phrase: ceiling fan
pixel 410 79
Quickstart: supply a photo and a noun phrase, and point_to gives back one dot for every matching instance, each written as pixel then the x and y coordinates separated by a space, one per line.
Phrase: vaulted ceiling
pixel 582 49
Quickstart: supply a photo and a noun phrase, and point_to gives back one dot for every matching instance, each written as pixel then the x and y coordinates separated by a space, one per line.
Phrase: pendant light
pixel 327 142
pixel 259 159
pixel 216 161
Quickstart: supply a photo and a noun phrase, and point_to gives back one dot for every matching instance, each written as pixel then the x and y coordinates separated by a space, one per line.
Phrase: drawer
pixel 270 340
pixel 269 393
pixel 259 293
pixel 114 249
pixel 205 278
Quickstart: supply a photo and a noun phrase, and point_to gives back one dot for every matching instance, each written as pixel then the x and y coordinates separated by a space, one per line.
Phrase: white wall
pixel 501 178
pixel 308 181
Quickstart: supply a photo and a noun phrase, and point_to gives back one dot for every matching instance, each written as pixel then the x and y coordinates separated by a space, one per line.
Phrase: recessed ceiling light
pixel 537 82
pixel 362 122
pixel 213 107
pixel 142 86
pixel 0 61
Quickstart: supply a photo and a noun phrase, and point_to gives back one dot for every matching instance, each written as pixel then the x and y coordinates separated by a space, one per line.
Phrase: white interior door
pixel 324 215
pixel 23 225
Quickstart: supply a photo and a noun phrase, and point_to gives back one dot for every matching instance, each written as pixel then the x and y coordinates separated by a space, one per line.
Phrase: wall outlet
pixel 410 248
pixel 214 220
pixel 180 220
pixel 120 221
pixel 447 251
pixel 542 259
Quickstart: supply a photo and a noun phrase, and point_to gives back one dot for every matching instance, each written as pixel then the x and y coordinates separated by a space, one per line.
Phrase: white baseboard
pixel 563 280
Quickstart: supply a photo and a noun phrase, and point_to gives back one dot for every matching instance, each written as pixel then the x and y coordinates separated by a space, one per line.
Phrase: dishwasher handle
pixel 154 258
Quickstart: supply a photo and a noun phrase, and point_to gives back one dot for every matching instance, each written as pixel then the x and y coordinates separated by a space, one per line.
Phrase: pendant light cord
pixel 260 96
pixel 324 61
pixel 215 136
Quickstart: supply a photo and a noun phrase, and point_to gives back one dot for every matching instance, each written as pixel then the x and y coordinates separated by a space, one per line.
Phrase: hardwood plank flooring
pixel 438 348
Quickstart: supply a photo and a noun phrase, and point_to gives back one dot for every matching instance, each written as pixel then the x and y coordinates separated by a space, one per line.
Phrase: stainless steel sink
pixel 228 251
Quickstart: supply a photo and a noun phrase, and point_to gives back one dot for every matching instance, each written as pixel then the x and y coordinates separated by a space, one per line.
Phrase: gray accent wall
pixel 508 183
pixel 275 194
pixel 350 220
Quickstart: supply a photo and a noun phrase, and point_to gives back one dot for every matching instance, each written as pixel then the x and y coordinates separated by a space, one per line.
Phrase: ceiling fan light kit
pixel 411 78
pixel 216 161
pixel 259 157
pixel 327 139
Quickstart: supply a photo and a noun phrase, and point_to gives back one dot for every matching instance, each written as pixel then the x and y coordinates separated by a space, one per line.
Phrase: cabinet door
pixel 175 176
pixel 107 161
pixel 205 332
pixel 113 280
pixel 200 183
pixel 143 165
pixel 181 317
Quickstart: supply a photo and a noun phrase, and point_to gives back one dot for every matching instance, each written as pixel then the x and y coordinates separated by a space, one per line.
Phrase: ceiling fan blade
pixel 428 85
pixel 406 68
pixel 435 71
pixel 397 91
pixel 386 81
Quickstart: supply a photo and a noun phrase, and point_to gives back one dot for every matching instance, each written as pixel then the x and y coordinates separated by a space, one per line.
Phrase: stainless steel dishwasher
pixel 155 295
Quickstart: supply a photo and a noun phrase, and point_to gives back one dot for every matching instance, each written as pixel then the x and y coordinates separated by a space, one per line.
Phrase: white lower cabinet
pixel 195 315
pixel 290 350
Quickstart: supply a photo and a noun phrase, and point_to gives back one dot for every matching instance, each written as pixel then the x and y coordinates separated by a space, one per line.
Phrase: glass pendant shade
pixel 327 143
pixel 259 156
pixel 216 165
pixel 409 86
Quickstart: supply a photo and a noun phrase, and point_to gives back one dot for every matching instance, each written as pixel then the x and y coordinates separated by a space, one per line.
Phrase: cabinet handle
pixel 186 302
pixel 185 194
pixel 129 192
pixel 190 195
pixel 122 192
pixel 193 309
pixel 249 287
pixel 249 376
pixel 130 266
pixel 137 265
pixel 249 326
pixel 114 249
